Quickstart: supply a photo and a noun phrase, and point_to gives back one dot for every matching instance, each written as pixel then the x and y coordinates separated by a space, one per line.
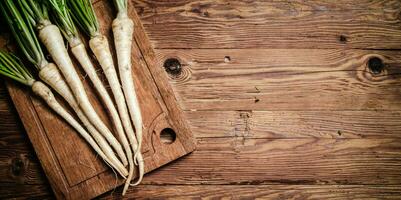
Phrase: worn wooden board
pixel 296 124
pixel 276 192
pixel 246 161
pixel 272 24
pixel 285 79
pixel 72 168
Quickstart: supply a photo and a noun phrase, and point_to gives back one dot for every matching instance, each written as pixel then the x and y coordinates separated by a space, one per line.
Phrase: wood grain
pixel 243 161
pixel 264 192
pixel 25 191
pixel 284 79
pixel 295 124
pixel 272 24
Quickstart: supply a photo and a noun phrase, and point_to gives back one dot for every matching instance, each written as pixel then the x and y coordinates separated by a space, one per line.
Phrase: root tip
pixel 125 188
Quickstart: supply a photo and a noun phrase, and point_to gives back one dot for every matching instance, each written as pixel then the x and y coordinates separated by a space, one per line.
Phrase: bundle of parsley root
pixel 34 23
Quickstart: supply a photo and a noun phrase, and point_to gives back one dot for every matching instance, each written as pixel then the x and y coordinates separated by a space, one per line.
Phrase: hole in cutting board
pixel 167 136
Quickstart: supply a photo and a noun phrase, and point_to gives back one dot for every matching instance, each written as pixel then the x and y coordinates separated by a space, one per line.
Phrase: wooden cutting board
pixel 72 168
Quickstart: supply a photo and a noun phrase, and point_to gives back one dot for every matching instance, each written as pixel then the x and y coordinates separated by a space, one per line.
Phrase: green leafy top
pixel 23 32
pixel 36 11
pixel 121 5
pixel 84 16
pixel 12 67
pixel 61 15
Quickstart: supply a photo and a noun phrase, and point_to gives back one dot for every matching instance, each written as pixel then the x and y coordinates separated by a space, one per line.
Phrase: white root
pixel 46 94
pixel 123 29
pixel 51 75
pixel 141 170
pixel 80 53
pixel 51 37
pixel 100 48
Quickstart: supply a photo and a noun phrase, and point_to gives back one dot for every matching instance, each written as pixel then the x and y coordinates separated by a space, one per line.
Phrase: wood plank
pixel 25 191
pixel 226 191
pixel 239 160
pixel 295 124
pixel 272 24
pixel 284 79
pixel 262 191
pixel 317 5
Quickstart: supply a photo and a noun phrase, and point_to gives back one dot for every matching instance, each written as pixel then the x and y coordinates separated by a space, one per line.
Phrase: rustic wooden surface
pixel 278 94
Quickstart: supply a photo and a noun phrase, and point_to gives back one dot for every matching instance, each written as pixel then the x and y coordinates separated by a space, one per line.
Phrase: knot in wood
pixel 17 167
pixel 376 65
pixel 343 38
pixel 172 66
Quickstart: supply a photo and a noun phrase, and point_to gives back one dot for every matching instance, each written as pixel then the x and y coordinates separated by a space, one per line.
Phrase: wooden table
pixel 287 99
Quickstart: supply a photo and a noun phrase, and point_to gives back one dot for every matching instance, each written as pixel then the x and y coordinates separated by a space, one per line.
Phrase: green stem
pixel 84 15
pixel 20 66
pixel 62 18
pixel 22 31
pixel 11 67
pixel 121 5
pixel 38 11
pixel 23 81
